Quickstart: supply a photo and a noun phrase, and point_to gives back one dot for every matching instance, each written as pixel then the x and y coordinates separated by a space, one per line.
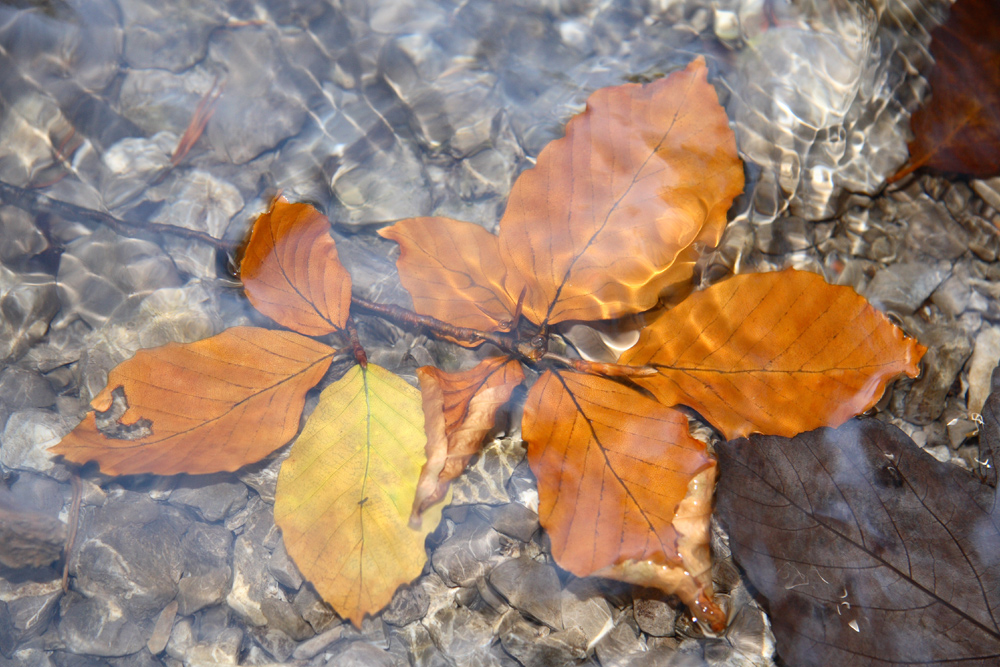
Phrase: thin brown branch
pixel 37 203
pixel 74 524
pixel 359 352
pixel 599 368
pixel 399 315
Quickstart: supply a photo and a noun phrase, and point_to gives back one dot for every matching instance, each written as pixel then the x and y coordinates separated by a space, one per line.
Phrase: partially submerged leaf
pixel 212 405
pixel 453 271
pixel 958 130
pixel 610 217
pixel 613 467
pixel 869 551
pixel 989 432
pixel 291 272
pixel 345 492
pixel 459 410
pixel 777 353
pixel 594 228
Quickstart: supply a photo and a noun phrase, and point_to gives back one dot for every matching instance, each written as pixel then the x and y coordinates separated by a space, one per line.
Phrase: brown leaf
pixel 453 271
pixel 613 467
pixel 291 272
pixel 595 228
pixel 459 410
pixel 776 353
pixel 958 130
pixel 216 404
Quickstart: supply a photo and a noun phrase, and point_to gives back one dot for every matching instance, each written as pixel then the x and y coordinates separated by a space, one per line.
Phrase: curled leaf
pixel 777 353
pixel 613 469
pixel 345 492
pixel 212 405
pixel 595 230
pixel 291 272
pixel 459 410
pixel 453 271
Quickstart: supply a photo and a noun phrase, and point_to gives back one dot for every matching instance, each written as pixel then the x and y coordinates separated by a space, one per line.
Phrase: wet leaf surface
pixel 459 410
pixel 989 432
pixel 776 353
pixel 868 550
pixel 291 271
pixel 346 490
pixel 612 468
pixel 958 129
pixel 212 405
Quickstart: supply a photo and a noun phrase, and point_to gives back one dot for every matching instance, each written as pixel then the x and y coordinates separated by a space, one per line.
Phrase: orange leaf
pixel 453 271
pixel 595 229
pixel 613 467
pixel 459 410
pixel 775 353
pixel 291 272
pixel 216 404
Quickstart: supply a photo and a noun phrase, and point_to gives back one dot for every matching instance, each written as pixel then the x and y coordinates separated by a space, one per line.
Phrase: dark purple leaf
pixel 989 433
pixel 868 550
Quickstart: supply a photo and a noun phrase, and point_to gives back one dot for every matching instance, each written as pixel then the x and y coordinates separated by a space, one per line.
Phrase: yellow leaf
pixel 345 493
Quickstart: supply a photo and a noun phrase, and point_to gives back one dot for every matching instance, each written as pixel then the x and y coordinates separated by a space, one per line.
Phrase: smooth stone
pixel 28 302
pixel 31 605
pixel 27 437
pixel 28 538
pixel 281 614
pixel 97 626
pixel 530 587
pixel 655 617
pixel 222 650
pixel 22 239
pixel 989 190
pixel 360 654
pixel 313 609
pixel 514 520
pixel 584 607
pixel 902 288
pixel 206 548
pixel 157 641
pixel 409 604
pixel 468 554
pixel 532 645
pixel 275 642
pixel 203 590
pixel 947 351
pixel 251 581
pixel 212 501
pixel 459 632
pixel 985 357
pixel 310 648
pixel 283 569
pixel 620 646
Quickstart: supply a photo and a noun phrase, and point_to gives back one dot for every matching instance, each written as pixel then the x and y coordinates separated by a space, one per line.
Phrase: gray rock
pixel 360 654
pixel 902 288
pixel 21 388
pixel 206 548
pixel 130 552
pixel 98 272
pixel 468 554
pixel 947 351
pixel 28 538
pixel 169 36
pixel 621 646
pixel 486 480
pixel 531 644
pixel 311 607
pixel 985 357
pixel 27 437
pixel 28 301
pixel 98 626
pixel 409 604
pixel 280 614
pixel 584 607
pixel 283 569
pixel 277 644
pixel 460 633
pixel 989 190
pixel 22 239
pixel 182 638
pixel 931 230
pixel 314 646
pixel 223 649
pixel 198 591
pixel 157 641
pixel 31 605
pixel 532 588
pixel 213 497
pixel 30 657
pixel 514 520
pixel 262 477
pixel 251 581
pixel 655 617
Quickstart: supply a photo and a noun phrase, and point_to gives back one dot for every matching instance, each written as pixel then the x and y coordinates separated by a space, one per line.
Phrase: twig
pixel 359 352
pixel 599 368
pixel 35 202
pixel 396 314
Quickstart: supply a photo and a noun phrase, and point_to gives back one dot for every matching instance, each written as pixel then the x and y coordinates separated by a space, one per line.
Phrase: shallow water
pixel 377 111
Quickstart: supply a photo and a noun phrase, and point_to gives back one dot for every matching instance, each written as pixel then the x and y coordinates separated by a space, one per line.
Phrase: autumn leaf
pixel 610 217
pixel 291 271
pixel 958 130
pixel 345 492
pixel 613 467
pixel 453 271
pixel 459 410
pixel 215 404
pixel 869 551
pixel 777 353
